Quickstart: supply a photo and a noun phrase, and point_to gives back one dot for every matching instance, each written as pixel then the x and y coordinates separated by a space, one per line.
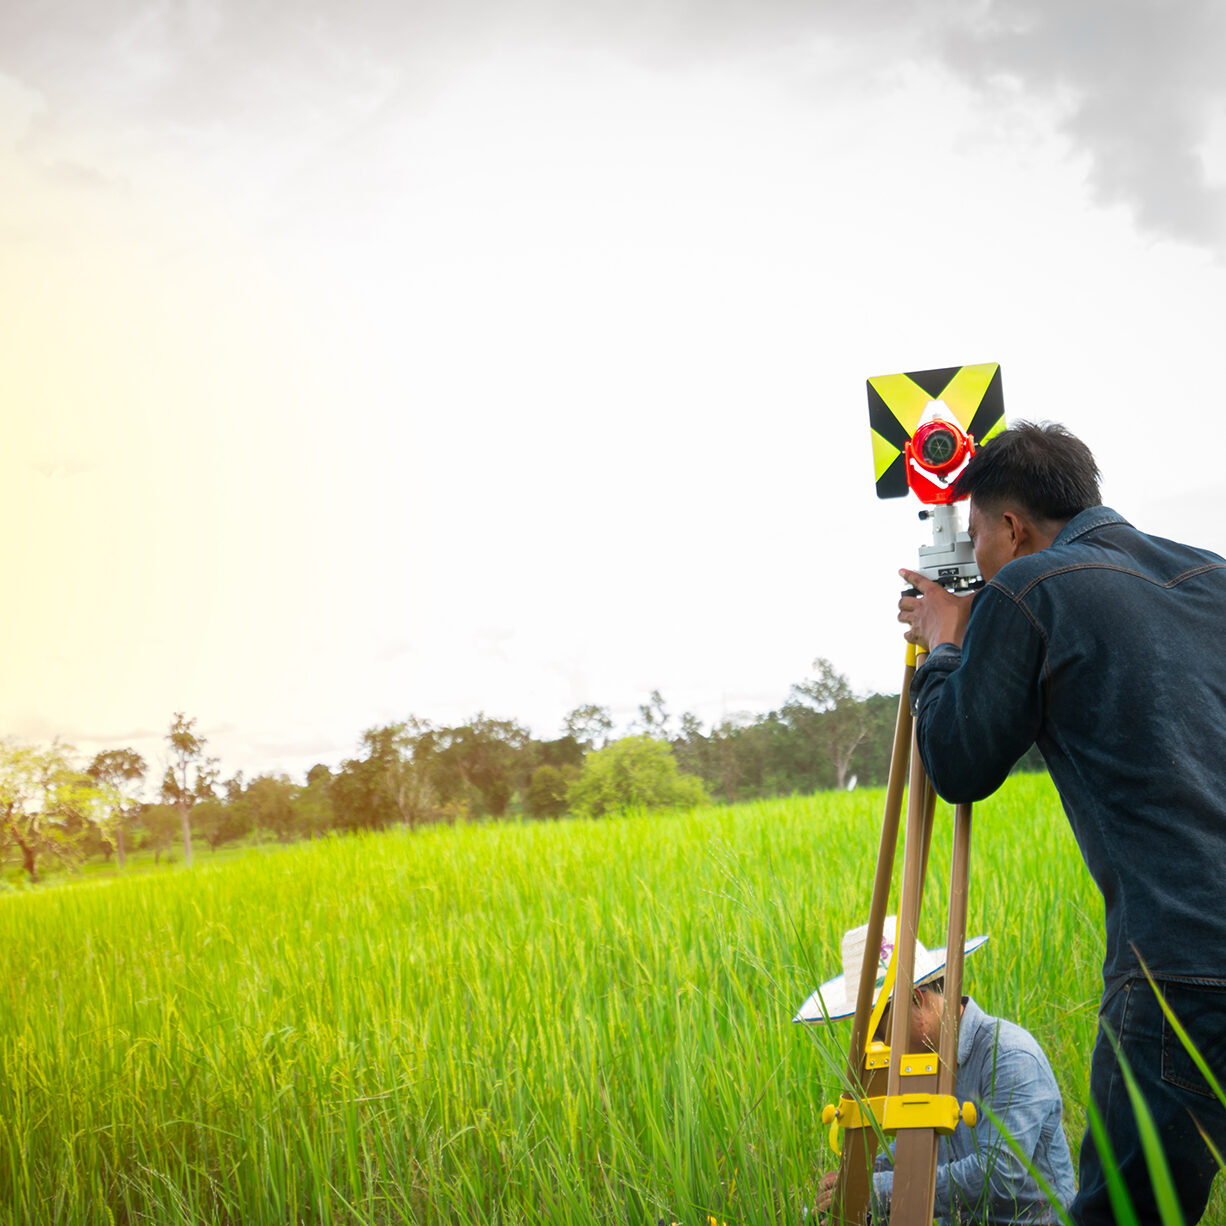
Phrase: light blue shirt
pixel 979 1177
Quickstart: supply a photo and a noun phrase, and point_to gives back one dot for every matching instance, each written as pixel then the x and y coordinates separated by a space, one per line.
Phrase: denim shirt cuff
pixel 940 661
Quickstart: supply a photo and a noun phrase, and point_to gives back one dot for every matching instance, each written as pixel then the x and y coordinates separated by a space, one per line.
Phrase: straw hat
pixel 836 997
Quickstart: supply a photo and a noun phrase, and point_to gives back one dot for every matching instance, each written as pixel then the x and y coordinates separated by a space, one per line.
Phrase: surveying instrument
pixel 925 427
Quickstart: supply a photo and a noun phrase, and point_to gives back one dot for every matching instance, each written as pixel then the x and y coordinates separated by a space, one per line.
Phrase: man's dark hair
pixel 1041 469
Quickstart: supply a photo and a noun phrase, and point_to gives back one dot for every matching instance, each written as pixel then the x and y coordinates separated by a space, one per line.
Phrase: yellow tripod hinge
pixel 853 1112
pixel 894 1112
pixel 876 1055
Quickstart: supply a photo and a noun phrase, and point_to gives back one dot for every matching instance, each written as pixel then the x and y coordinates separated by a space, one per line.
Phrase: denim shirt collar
pixel 1087 521
pixel 972 1018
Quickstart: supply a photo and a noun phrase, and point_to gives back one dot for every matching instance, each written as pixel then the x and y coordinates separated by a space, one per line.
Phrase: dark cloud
pixel 1137 83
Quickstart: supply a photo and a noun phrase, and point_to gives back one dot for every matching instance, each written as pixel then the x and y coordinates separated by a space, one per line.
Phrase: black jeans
pixel 1177 1095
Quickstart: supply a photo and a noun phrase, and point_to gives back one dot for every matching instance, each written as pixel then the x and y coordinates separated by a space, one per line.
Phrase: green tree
pixel 319 773
pixel 161 821
pixel 691 746
pixel 590 725
pixel 388 784
pixel 122 770
pixel 633 772
pixel 477 766
pixel 729 741
pixel 653 718
pixel 403 780
pixel 562 753
pixel 314 813
pixel 829 716
pixel 490 752
pixel 220 821
pixel 359 801
pixel 872 760
pixel 189 777
pixel 545 795
pixel 47 806
pixel 270 803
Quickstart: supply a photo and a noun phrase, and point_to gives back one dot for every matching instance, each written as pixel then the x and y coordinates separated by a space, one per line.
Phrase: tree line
pixel 54 809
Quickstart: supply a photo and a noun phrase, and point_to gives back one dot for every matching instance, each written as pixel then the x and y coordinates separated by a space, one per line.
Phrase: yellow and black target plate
pixel 898 403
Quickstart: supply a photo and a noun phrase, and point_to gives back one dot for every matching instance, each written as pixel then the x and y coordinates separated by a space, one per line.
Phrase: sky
pixel 369 360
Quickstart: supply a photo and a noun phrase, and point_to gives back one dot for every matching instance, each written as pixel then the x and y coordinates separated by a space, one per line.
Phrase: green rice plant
pixel 1121 1205
pixel 564 1022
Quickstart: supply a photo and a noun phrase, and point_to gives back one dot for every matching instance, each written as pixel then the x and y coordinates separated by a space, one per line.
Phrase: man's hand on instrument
pixel 934 615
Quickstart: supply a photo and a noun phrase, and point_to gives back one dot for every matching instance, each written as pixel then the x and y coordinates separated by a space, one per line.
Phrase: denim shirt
pixel 979 1178
pixel 1106 648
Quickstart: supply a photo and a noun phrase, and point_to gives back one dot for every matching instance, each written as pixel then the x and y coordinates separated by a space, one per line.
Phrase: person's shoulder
pixel 996 1033
pixel 1067 550
pixel 1013 1037
pixel 1010 1049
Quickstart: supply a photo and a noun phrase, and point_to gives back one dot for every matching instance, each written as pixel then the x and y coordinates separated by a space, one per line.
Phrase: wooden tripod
pixel 909 1095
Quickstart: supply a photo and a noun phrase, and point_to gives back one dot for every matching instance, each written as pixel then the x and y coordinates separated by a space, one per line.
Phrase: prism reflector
pixel 898 405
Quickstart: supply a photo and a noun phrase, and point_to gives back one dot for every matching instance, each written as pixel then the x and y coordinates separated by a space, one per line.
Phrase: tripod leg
pixel 881 881
pixel 955 944
pixel 930 808
pixel 915 1150
pixel 853 1189
pixel 851 1193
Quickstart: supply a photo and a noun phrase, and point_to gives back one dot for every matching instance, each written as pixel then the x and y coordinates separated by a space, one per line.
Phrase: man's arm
pixel 979 707
pixel 993 1175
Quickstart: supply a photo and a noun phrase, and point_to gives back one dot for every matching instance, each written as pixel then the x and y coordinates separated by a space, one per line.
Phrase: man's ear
pixel 1021 533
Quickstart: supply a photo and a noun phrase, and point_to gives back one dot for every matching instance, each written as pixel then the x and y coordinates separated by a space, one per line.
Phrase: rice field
pixel 568 1022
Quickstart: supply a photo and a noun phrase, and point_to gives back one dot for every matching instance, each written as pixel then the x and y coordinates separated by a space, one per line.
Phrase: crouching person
pixel 1001 1069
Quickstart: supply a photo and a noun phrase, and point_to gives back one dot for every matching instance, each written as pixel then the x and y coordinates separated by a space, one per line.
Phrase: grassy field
pixel 564 1022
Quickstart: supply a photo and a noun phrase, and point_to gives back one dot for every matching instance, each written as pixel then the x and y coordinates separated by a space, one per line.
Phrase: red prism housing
pixel 934 457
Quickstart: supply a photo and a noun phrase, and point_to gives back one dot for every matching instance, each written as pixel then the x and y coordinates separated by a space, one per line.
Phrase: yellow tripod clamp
pixel 941 1112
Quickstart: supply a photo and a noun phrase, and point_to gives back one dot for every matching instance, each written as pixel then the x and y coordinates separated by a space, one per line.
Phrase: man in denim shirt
pixel 1104 646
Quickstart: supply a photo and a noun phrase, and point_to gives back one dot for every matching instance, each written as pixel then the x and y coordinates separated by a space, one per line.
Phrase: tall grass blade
pixel 1155 1159
pixel 1121 1204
